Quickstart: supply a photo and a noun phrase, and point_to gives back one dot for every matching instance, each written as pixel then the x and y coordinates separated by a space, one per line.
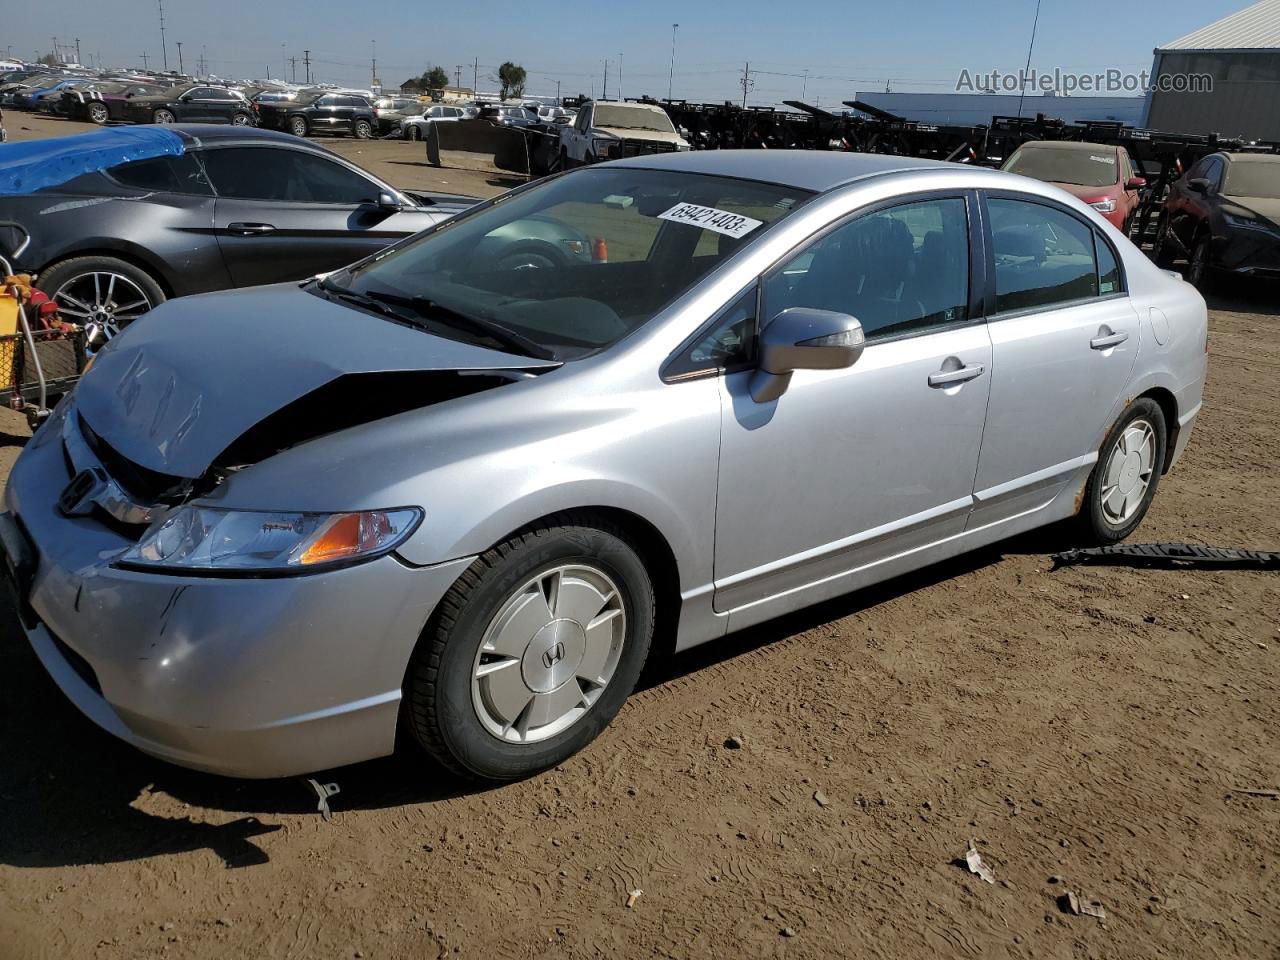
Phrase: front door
pixel 1064 338
pixel 850 468
pixel 287 214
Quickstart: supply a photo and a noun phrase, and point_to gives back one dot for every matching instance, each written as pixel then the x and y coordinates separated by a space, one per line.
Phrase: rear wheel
pixel 164 116
pixel 99 114
pixel 298 126
pixel 532 651
pixel 363 130
pixel 1124 481
pixel 102 294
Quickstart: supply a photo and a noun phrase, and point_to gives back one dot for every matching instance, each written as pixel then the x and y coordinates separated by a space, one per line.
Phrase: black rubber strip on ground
pixel 1171 556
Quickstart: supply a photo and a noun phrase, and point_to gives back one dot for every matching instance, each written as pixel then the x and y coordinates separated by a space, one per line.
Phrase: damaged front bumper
pixel 238 676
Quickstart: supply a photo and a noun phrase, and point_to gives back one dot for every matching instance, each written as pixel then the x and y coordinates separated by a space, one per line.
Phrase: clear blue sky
pixel 846 47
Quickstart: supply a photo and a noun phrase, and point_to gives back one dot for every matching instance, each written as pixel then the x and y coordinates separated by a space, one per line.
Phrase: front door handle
pixel 947 378
pixel 250 229
pixel 1106 341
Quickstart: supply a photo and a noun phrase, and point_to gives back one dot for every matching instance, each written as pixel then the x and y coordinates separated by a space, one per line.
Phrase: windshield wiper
pixel 476 324
pixel 361 300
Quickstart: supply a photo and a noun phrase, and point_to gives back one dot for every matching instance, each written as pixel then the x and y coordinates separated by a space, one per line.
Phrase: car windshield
pixel 573 264
pixel 1259 178
pixel 1085 168
pixel 626 117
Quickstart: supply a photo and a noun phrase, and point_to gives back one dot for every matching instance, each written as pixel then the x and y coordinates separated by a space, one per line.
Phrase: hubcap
pixel 548 654
pixel 1128 472
pixel 103 303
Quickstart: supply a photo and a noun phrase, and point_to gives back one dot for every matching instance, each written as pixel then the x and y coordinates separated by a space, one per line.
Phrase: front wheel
pixel 533 651
pixel 298 126
pixel 1124 481
pixel 1200 267
pixel 410 132
pixel 99 114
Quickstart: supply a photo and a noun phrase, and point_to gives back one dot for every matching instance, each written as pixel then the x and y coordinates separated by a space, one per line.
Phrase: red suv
pixel 1100 175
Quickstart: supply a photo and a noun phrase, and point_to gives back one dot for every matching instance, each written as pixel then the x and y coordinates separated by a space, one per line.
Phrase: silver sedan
pixel 466 488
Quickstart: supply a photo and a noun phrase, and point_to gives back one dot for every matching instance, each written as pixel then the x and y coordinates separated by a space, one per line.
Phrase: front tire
pixel 298 126
pixel 532 651
pixel 99 114
pixel 1124 481
pixel 1200 268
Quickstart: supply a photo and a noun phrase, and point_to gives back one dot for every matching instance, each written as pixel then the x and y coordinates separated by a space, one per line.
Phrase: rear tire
pixel 242 120
pixel 109 305
pixel 1125 478
pixel 362 130
pixel 513 630
pixel 164 117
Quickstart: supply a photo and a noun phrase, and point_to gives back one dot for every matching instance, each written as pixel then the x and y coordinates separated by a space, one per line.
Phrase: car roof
pixel 1252 157
pixel 211 133
pixel 1076 146
pixel 816 170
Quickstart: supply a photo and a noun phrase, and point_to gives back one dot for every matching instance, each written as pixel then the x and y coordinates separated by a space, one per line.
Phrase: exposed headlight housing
pixel 210 540
pixel 1250 223
pixel 1106 205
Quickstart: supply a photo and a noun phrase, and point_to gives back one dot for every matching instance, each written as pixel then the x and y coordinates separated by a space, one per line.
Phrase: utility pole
pixel 77 49
pixel 747 83
pixel 672 72
pixel 457 77
pixel 306 62
pixel 164 51
pixel 282 61
pixel 475 76
pixel 605 93
pixel 805 85
pixel 293 65
pixel 144 60
pixel 373 65
pixel 180 70
pixel 56 58
pixel 558 93
pixel 620 96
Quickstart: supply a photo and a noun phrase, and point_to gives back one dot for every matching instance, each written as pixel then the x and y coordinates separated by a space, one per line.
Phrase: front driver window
pixel 264 173
pixel 900 270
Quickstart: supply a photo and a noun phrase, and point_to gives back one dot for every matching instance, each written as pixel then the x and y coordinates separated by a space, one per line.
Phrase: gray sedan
pixel 464 496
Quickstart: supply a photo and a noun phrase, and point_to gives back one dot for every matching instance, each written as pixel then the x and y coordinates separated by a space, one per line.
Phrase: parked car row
pixel 1222 215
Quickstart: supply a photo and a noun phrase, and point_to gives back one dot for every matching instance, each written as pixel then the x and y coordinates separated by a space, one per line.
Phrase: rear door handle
pixel 1109 340
pixel 249 229
pixel 945 378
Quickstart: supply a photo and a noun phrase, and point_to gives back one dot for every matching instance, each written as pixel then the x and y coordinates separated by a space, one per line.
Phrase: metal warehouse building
pixel 1241 53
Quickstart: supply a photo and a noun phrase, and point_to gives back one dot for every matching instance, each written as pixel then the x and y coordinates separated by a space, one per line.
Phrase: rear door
pixel 325 116
pixel 1064 338
pixel 285 214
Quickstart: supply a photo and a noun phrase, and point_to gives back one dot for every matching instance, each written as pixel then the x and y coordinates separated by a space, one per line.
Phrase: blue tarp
pixel 33 165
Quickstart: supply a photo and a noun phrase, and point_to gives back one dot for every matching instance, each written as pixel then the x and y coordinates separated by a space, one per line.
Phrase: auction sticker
pixel 709 218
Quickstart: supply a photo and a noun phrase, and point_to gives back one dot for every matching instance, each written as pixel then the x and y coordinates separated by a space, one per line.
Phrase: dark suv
pixel 196 103
pixel 318 111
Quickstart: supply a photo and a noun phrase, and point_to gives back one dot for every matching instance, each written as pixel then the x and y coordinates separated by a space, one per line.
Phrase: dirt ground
pixel 1088 729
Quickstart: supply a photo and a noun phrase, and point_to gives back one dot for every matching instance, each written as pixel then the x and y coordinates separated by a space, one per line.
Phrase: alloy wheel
pixel 104 303
pixel 1199 265
pixel 98 113
pixel 164 116
pixel 1128 472
pixel 549 653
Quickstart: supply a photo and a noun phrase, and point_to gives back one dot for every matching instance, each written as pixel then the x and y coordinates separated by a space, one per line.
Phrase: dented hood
pixel 196 373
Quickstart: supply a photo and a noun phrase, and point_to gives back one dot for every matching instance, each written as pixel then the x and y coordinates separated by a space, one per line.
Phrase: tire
pixel 242 120
pixel 99 114
pixel 362 130
pixel 298 126
pixel 164 117
pixel 564 160
pixel 1132 454
pixel 74 278
pixel 411 132
pixel 454 696
pixel 1162 247
pixel 1200 272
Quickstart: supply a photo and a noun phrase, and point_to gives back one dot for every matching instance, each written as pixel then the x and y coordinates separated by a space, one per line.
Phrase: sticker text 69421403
pixel 709 218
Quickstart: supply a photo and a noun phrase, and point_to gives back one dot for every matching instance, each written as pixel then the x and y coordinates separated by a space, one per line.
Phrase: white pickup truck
pixel 610 129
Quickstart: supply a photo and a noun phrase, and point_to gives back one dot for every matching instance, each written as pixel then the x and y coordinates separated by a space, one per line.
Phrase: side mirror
pixel 800 338
pixel 1135 183
pixel 1198 184
pixel 387 201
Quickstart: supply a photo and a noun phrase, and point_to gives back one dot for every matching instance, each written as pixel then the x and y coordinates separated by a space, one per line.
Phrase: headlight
pixel 1103 206
pixel 1248 223
pixel 209 539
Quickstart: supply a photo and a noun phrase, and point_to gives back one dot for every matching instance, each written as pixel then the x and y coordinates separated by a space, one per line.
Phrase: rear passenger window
pixel 1043 256
pixel 1108 269
pixel 180 174
pixel 898 271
